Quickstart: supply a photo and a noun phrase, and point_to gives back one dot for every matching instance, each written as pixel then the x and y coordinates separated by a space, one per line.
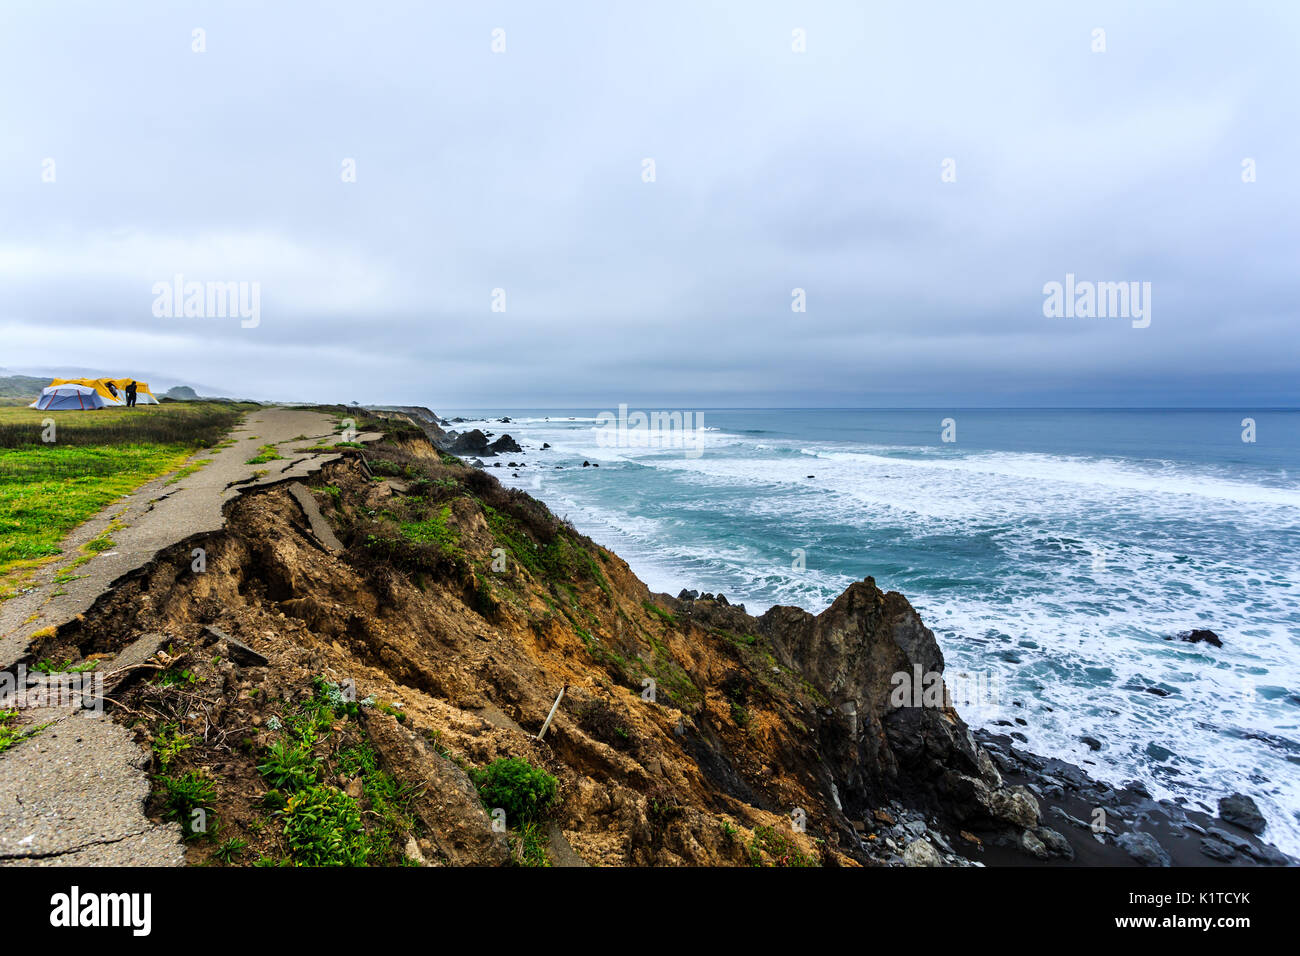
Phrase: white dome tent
pixel 65 397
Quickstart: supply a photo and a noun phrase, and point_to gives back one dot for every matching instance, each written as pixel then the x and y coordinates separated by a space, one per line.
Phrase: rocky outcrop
pixel 888 728
pixel 1241 810
pixel 504 444
pixel 474 442
pixel 1201 635
pixel 424 418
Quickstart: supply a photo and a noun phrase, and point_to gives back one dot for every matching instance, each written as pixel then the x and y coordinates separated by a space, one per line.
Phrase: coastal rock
pixel 1015 805
pixel 1241 810
pixel 921 853
pixel 1271 855
pixel 1032 845
pixel 504 444
pixel 1232 839
pixel 472 442
pixel 1143 847
pixel 1056 843
pixel 1201 635
pixel 1216 849
pixel 857 652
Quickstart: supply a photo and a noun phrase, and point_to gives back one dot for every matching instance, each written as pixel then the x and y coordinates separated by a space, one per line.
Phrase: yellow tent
pixel 142 394
pixel 115 395
pixel 98 384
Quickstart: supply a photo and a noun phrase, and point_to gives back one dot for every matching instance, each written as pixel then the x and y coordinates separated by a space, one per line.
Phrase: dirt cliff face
pixel 435 641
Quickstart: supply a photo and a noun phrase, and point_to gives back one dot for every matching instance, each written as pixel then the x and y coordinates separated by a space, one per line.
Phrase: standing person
pixel 130 394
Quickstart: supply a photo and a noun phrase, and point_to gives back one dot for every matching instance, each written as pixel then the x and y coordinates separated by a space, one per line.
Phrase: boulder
pixel 472 442
pixel 1030 844
pixel 921 853
pixel 1055 842
pixel 1201 635
pixel 1216 849
pixel 1143 847
pixel 1241 810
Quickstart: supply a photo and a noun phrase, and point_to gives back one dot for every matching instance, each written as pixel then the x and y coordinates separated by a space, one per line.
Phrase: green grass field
pixel 49 488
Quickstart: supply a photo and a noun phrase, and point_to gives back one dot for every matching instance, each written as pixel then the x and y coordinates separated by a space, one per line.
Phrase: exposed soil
pixel 429 631
pixel 364 678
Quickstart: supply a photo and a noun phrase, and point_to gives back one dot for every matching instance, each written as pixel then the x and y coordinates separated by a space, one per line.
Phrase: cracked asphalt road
pixel 74 792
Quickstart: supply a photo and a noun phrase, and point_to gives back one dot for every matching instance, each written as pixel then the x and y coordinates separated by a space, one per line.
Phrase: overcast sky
pixel 774 170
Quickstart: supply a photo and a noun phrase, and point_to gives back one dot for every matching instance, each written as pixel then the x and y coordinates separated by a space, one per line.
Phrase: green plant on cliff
pixel 322 826
pixel 769 847
pixel 525 792
pixel 289 765
pixel 533 841
pixel 169 743
pixel 663 615
pixel 10 735
pixel 184 794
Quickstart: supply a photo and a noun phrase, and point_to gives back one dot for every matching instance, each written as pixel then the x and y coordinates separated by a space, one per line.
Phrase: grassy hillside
pixel 47 488
pixel 20 388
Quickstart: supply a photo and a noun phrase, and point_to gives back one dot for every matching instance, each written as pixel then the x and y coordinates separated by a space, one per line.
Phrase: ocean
pixel 1054 553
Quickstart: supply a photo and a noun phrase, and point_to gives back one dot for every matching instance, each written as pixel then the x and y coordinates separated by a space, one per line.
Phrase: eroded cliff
pixel 335 695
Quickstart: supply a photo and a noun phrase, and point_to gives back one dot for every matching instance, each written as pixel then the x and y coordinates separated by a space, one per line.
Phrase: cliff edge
pixel 361 670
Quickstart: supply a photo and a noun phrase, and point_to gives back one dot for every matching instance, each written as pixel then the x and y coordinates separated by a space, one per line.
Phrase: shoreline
pixel 403 603
pixel 1186 835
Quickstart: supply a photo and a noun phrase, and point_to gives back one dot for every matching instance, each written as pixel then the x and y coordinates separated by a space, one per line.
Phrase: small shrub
pixel 525 792
pixel 771 848
pixel 184 794
pixel 10 735
pixel 533 841
pixel 230 850
pixel 322 826
pixel 289 765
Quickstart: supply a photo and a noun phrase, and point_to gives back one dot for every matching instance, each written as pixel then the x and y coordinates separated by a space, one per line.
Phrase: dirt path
pixel 74 792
